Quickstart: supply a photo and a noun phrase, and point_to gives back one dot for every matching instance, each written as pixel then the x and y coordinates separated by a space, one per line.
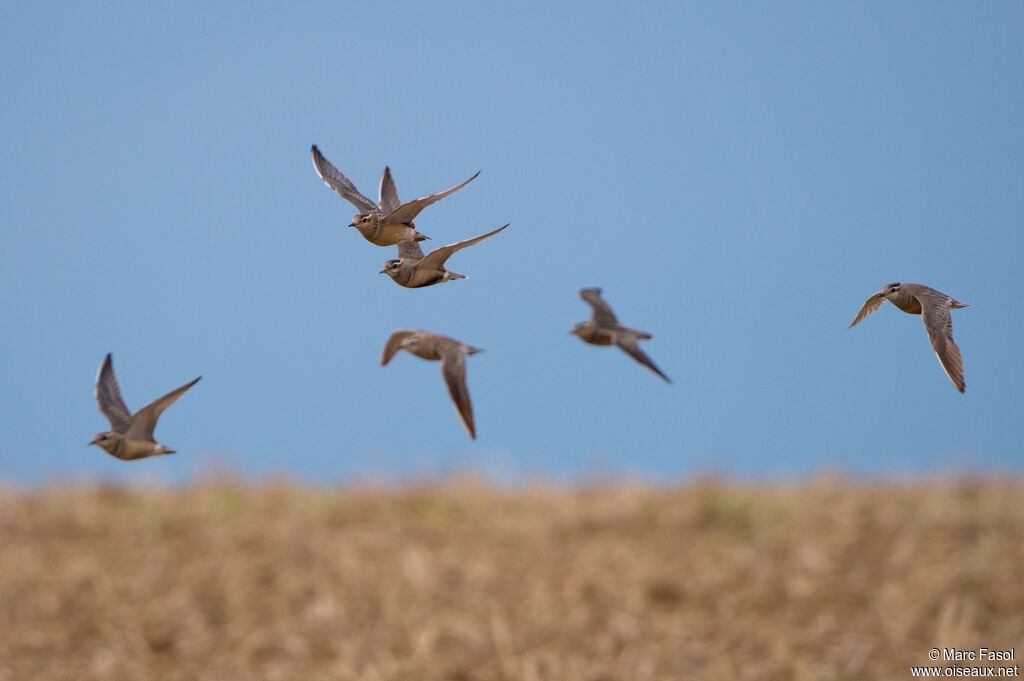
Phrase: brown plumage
pixel 412 269
pixel 391 222
pixel 130 436
pixel 451 353
pixel 603 328
pixel 934 308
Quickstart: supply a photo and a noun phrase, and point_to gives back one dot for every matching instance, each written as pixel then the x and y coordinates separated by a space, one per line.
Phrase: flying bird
pixel 130 436
pixel 934 308
pixel 389 223
pixel 603 328
pixel 452 353
pixel 412 269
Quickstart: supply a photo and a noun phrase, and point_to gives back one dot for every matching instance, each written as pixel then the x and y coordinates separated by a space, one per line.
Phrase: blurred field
pixel 463 581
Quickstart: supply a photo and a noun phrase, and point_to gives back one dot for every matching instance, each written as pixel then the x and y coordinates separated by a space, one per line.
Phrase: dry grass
pixel 461 581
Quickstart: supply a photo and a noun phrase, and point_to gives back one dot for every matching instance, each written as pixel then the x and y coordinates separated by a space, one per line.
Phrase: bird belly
pixel 420 279
pixel 391 234
pixel 129 450
pixel 600 338
pixel 913 307
pixel 426 353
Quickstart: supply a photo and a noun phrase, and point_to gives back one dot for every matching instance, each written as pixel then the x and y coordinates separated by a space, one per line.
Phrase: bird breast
pixel 418 278
pixel 596 336
pixel 425 352
pixel 907 302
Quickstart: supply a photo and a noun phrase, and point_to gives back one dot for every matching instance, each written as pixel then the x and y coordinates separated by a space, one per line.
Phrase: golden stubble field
pixel 460 580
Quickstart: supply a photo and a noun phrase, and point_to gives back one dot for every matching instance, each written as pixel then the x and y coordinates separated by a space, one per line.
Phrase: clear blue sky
pixel 738 177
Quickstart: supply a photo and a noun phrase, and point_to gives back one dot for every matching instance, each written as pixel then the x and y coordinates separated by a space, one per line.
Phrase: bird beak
pixel 381 272
pixel 90 443
pixel 352 225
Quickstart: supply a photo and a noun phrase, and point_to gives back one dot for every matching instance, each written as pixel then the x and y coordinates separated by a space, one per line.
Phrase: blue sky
pixel 738 177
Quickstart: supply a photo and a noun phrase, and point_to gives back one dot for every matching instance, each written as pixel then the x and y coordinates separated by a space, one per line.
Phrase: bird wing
pixel 108 397
pixel 453 368
pixel 395 343
pixel 144 422
pixel 389 200
pixel 872 304
pixel 629 345
pixel 437 257
pixel 603 314
pixel 939 323
pixel 333 178
pixel 410 250
pixel 407 212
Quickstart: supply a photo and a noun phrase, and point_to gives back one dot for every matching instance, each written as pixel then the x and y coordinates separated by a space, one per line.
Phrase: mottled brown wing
pixel 939 323
pixel 453 368
pixel 603 314
pixel 631 348
pixel 108 397
pixel 437 257
pixel 407 212
pixel 333 178
pixel 872 304
pixel 144 422
pixel 395 343
pixel 389 200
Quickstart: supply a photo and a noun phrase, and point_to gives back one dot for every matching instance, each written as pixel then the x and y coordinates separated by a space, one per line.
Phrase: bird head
pixel 107 441
pixel 391 267
pixel 411 343
pixel 362 220
pixel 891 290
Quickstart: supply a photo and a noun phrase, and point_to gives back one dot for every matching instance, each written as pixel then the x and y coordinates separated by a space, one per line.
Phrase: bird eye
pixel 893 289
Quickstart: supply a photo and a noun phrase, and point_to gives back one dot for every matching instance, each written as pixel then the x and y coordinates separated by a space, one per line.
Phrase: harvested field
pixel 462 581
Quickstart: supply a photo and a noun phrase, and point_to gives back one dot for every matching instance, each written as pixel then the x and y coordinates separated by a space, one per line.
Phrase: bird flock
pixel 390 223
